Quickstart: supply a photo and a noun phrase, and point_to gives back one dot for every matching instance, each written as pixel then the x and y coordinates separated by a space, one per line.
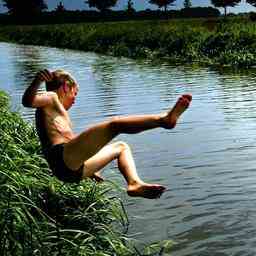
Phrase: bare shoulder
pixel 53 96
pixel 52 99
pixel 43 99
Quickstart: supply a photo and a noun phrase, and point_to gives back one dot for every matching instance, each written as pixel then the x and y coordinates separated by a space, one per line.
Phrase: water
pixel 208 162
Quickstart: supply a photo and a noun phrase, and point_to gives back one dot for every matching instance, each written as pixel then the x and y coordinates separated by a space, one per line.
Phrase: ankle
pixel 134 183
pixel 162 120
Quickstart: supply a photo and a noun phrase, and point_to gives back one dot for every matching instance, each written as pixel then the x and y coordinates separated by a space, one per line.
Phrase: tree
pixel 225 3
pixel 25 9
pixel 162 3
pixel 60 7
pixel 252 2
pixel 101 5
pixel 187 4
pixel 130 8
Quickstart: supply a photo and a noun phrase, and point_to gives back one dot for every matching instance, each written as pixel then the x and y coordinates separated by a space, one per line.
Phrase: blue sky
pixel 140 5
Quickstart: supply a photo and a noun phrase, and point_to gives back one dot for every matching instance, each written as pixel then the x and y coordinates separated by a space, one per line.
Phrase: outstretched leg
pixel 121 151
pixel 89 142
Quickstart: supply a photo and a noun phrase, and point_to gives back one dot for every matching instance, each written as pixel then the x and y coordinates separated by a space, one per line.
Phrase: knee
pixel 122 146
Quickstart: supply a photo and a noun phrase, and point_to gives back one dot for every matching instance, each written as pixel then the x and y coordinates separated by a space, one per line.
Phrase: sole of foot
pixel 150 191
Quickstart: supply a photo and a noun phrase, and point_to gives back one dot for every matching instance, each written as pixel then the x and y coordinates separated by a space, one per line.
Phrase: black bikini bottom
pixel 54 157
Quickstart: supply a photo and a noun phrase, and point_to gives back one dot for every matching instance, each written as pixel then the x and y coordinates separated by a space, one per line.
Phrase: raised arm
pixel 32 98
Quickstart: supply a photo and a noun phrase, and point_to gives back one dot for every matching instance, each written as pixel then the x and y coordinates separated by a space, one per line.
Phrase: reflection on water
pixel 104 76
pixel 207 162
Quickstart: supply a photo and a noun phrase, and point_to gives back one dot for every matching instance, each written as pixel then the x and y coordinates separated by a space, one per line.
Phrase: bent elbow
pixel 26 103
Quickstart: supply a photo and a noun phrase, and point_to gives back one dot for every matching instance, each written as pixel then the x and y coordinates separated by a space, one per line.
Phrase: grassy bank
pixel 213 41
pixel 42 216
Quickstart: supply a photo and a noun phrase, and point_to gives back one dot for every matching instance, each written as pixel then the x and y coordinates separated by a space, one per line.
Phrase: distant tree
pixel 162 3
pixel 101 5
pixel 130 8
pixel 26 8
pixel 187 4
pixel 60 7
pixel 225 3
pixel 252 2
pixel 198 12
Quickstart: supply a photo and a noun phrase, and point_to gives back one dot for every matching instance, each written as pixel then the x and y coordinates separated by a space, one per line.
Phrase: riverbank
pixel 42 216
pixel 204 41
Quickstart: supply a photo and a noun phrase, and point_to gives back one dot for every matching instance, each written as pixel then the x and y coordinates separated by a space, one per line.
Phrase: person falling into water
pixel 73 157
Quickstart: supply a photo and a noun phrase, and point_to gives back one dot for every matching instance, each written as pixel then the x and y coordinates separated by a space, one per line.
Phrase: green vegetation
pixel 23 8
pixel 211 41
pixel 42 216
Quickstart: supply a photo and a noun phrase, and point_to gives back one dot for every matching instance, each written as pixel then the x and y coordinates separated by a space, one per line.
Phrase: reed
pixel 229 42
pixel 42 216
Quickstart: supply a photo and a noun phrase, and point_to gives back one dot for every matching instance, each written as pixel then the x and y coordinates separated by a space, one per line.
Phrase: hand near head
pixel 44 76
pixel 31 98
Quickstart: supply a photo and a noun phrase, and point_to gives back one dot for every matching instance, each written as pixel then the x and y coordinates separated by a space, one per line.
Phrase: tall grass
pixel 40 215
pixel 192 40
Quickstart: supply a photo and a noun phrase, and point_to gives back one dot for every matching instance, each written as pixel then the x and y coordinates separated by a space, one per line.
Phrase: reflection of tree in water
pixel 237 97
pixel 104 73
pixel 180 79
pixel 230 71
pixel 27 63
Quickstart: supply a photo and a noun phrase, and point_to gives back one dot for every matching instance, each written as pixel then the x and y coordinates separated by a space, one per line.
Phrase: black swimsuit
pixel 54 157
pixel 54 154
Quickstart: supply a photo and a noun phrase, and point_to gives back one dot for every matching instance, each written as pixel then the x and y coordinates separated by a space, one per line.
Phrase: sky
pixel 138 5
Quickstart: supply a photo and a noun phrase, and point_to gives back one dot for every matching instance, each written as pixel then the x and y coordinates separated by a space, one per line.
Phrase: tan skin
pixel 91 147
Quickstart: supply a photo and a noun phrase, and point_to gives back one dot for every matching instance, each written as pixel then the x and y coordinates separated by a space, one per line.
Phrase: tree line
pixel 29 8
pixel 35 6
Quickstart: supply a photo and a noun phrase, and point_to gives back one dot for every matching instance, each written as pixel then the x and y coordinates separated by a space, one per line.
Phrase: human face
pixel 70 96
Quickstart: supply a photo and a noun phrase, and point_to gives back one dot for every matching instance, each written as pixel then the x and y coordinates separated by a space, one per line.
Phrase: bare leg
pixel 89 142
pixel 97 176
pixel 121 151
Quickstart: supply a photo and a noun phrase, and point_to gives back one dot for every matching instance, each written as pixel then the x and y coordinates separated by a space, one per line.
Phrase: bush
pixel 186 40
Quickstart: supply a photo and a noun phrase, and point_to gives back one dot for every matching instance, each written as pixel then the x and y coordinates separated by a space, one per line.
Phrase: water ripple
pixel 207 162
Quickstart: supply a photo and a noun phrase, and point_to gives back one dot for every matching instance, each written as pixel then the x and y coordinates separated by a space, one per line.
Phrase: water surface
pixel 207 162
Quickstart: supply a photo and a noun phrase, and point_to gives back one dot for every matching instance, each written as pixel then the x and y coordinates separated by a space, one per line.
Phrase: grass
pixel 40 215
pixel 214 41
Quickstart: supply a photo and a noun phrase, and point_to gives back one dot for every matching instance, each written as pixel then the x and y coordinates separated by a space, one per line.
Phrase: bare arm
pixel 31 98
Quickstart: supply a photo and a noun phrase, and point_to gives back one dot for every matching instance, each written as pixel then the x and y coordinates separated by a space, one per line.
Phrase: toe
pixel 184 101
pixel 155 192
pixel 187 96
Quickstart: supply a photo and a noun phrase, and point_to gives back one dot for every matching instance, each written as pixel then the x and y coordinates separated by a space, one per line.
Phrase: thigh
pixel 87 144
pixel 101 159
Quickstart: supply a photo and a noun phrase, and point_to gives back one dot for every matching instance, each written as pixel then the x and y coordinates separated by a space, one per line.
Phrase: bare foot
pixel 170 118
pixel 145 190
pixel 98 177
